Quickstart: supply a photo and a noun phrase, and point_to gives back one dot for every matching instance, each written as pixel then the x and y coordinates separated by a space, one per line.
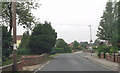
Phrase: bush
pixel 23 51
pixel 114 49
pixel 42 39
pixel 62 44
pixel 107 49
pixel 104 49
pixel 59 50
pixel 6 42
pixel 68 50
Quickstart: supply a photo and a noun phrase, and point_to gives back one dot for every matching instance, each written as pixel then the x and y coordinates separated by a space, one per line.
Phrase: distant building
pixel 87 46
pixel 106 43
pixel 70 45
pixel 18 40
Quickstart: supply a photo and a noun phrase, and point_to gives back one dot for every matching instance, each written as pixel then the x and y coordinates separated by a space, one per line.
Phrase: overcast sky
pixel 70 18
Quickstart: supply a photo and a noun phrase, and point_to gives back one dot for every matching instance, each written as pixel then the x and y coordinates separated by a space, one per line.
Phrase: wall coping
pixel 9 65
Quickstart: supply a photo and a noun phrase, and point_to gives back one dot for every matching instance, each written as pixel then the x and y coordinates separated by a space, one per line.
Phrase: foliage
pixel 0 43
pixel 76 45
pixel 108 29
pixel 96 42
pixel 23 51
pixel 59 50
pixel 25 40
pixel 104 49
pixel 114 49
pixel 6 43
pixel 23 13
pixel 7 62
pixel 119 24
pixel 94 47
pixel 23 47
pixel 62 44
pixel 84 44
pixel 42 39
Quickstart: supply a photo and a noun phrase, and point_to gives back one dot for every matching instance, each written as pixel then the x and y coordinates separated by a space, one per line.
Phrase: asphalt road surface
pixel 72 62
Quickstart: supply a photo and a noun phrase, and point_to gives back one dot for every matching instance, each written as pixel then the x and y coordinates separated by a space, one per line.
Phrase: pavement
pixel 72 62
pixel 111 65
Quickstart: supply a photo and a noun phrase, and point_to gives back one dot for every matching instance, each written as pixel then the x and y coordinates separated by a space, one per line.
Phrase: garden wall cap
pixel 107 53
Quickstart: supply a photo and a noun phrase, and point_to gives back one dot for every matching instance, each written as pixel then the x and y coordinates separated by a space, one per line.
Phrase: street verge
pixel 102 62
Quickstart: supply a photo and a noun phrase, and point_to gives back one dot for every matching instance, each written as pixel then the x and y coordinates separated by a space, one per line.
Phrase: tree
pixel 108 29
pixel 76 45
pixel 42 39
pixel 0 44
pixel 84 44
pixel 96 42
pixel 6 43
pixel 119 24
pixel 62 44
pixel 23 13
pixel 25 40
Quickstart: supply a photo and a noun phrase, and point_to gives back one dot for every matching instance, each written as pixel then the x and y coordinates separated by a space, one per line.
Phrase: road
pixel 72 62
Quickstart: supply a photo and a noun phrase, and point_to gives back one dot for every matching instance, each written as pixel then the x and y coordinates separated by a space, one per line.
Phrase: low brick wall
pixel 107 56
pixel 101 55
pixel 31 60
pixel 10 67
pixel 112 58
pixel 26 61
pixel 7 68
pixel 87 50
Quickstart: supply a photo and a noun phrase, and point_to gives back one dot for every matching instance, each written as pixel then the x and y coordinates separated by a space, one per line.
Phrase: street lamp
pixel 90 39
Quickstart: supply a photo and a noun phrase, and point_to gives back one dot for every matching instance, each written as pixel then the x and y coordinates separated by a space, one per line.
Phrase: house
pixel 70 45
pixel 87 46
pixel 106 42
pixel 18 40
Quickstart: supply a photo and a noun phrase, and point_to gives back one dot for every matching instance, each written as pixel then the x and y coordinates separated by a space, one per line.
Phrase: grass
pixel 10 60
pixel 52 56
pixel 0 60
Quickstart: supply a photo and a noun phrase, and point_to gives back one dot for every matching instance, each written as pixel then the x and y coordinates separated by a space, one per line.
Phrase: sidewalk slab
pixel 110 65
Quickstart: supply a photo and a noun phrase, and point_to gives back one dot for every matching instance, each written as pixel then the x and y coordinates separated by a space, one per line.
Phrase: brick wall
pixel 101 55
pixel 26 61
pixel 31 60
pixel 10 67
pixel 112 58
pixel 87 50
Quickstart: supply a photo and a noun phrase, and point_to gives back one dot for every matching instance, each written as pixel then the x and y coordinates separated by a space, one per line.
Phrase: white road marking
pixel 41 67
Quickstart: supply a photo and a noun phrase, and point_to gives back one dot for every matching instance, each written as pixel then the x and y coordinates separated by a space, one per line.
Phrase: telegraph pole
pixel 14 36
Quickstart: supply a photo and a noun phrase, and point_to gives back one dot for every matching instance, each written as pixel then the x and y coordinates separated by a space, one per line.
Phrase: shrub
pixel 59 50
pixel 62 44
pixel 114 49
pixel 104 49
pixel 42 39
pixel 23 51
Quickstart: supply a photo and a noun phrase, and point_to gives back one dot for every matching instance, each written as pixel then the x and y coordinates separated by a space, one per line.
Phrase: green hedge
pixel 107 49
pixel 61 50
pixel 23 51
